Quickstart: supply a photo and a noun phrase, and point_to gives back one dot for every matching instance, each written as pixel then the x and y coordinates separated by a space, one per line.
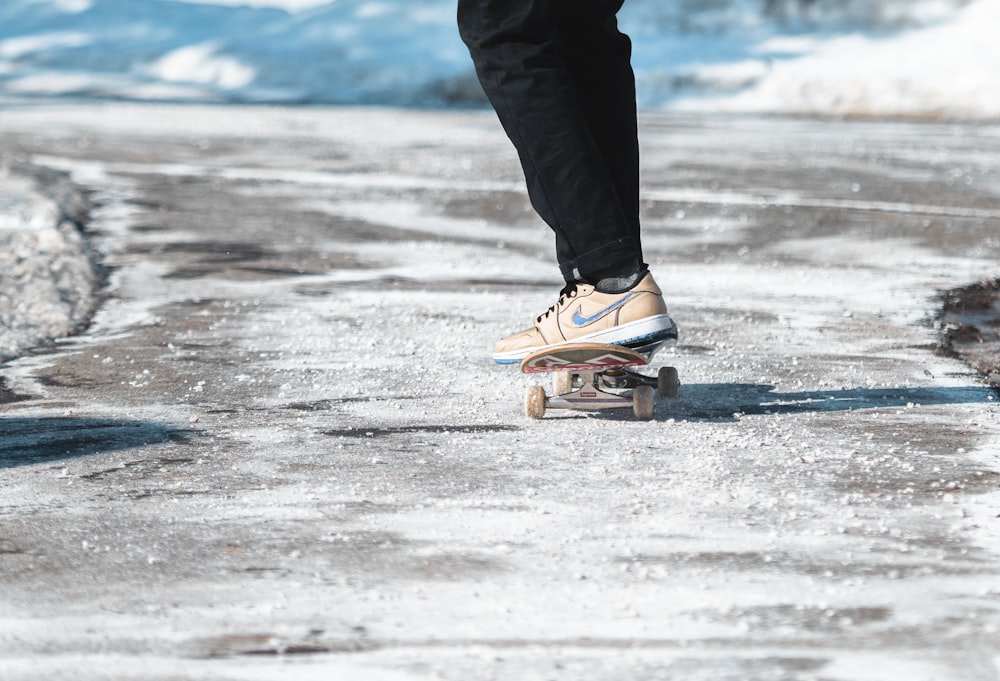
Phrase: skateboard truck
pixel 595 376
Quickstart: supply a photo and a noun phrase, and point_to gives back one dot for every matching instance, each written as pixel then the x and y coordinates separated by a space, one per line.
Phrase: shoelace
pixel 568 291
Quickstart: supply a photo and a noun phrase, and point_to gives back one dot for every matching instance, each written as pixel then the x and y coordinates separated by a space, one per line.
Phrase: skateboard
pixel 593 376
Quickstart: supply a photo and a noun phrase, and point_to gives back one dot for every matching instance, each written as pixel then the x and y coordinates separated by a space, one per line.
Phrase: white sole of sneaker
pixel 657 327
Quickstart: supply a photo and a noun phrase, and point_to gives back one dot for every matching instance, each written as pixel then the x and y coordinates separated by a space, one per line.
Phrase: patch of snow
pixel 14 48
pixel 201 64
pixel 47 281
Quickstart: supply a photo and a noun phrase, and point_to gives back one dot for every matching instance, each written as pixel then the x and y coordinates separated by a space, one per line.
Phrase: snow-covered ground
pixel 206 485
pixel 246 469
pixel 918 58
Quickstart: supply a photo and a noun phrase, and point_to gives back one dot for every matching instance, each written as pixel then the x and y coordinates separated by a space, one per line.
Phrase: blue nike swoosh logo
pixel 580 320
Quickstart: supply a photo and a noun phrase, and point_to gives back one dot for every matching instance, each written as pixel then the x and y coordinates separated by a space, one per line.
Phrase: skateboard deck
pixel 581 357
pixel 593 376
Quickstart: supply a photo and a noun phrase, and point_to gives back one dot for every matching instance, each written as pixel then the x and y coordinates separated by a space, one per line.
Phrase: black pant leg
pixel 515 46
pixel 599 58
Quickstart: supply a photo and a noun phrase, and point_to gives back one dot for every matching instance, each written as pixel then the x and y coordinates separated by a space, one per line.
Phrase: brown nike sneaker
pixel 636 317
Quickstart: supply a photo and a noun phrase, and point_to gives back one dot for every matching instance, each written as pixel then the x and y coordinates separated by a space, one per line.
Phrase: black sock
pixel 620 282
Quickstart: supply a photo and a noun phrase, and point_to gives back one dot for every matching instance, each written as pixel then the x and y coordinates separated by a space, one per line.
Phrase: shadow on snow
pixel 730 401
pixel 25 441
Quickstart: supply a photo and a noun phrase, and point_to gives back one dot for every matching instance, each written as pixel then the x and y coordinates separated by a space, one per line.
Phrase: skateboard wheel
pixel 643 402
pixel 534 402
pixel 562 382
pixel 667 383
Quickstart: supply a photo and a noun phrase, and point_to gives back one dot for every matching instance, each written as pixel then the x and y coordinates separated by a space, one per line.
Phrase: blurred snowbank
pixel 949 68
pixel 915 57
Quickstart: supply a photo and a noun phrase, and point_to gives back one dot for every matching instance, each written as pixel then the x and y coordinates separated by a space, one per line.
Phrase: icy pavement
pixel 280 451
